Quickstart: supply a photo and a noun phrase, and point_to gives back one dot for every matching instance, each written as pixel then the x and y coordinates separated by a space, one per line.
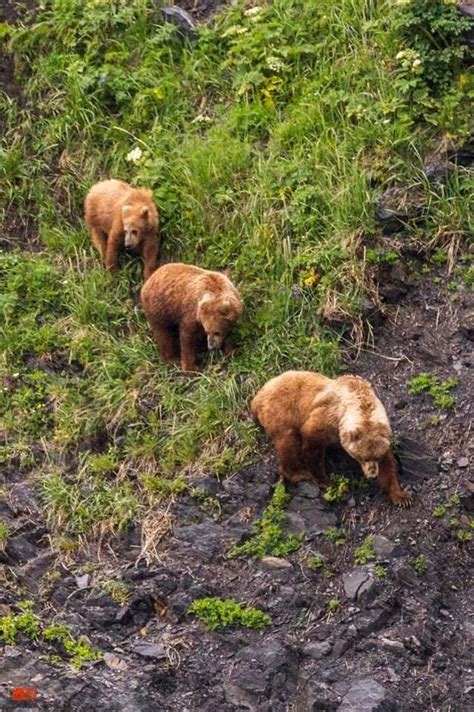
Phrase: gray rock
pixel 384 548
pixel 395 646
pixel 274 562
pixel 398 206
pixel 406 575
pixel 182 19
pixel 316 651
pixel 114 662
pixel 314 513
pixel 206 539
pixel 82 581
pixel 416 460
pixel 149 650
pixel 365 695
pixel 261 677
pixel 358 583
pixel 466 325
pixel 467 496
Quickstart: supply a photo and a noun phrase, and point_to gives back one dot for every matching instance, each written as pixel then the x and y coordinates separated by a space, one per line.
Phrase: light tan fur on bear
pixel 304 412
pixel 185 305
pixel 117 216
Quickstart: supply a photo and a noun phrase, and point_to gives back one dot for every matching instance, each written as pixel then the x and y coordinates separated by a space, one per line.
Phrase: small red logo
pixel 20 694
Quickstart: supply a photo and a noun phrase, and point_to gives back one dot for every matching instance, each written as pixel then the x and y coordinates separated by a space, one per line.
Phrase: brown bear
pixel 304 412
pixel 118 216
pixel 183 305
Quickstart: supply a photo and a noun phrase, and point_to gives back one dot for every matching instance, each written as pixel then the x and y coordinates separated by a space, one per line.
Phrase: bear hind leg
pixel 167 342
pixel 314 454
pixel 290 457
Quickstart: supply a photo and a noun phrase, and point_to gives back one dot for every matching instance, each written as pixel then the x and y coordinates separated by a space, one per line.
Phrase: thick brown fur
pixel 304 412
pixel 119 216
pixel 184 305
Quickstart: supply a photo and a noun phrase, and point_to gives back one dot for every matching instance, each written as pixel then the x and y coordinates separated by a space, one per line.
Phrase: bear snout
pixel 214 342
pixel 370 469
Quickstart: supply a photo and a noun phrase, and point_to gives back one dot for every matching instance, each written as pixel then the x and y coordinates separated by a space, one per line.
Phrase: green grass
pixel 222 613
pixel 266 143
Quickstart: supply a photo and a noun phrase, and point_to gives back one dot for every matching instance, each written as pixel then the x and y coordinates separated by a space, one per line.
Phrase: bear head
pixel 368 445
pixel 136 223
pixel 217 313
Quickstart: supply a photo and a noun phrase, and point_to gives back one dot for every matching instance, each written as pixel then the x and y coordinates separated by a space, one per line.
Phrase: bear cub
pixel 187 305
pixel 119 216
pixel 304 412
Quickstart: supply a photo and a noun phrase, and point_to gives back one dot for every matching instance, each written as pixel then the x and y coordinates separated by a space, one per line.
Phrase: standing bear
pixel 118 216
pixel 304 412
pixel 185 305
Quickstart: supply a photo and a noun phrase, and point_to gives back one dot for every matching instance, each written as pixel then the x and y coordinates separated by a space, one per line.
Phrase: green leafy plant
pixel 333 606
pixel 420 564
pixel 337 536
pixel 27 622
pixel 365 552
pixel 337 489
pixel 380 571
pixel 221 613
pixel 438 390
pixel 3 535
pixel 315 562
pixel 269 536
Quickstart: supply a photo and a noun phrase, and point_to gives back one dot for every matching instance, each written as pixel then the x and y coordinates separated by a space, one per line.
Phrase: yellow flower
pixel 311 278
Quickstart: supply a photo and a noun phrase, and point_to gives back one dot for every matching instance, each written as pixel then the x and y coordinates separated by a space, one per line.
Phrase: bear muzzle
pixel 370 469
pixel 214 342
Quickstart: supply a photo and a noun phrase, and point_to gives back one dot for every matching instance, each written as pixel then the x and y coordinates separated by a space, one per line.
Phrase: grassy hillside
pixel 266 142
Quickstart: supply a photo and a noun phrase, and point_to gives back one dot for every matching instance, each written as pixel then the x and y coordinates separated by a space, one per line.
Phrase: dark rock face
pixel 312 512
pixel 366 695
pixel 182 19
pixel 261 677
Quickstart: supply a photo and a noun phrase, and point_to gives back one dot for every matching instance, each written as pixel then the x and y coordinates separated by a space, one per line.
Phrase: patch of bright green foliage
pixel 3 534
pixel 365 552
pixel 26 622
pixel 261 141
pixel 222 613
pixel 437 389
pixel 420 564
pixel 338 487
pixel 337 536
pixel 269 537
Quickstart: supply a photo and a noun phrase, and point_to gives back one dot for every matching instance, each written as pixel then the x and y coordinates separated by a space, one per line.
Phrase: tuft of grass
pixel 222 613
pixel 269 536
pixel 4 532
pixel 315 562
pixel 438 390
pixel 420 564
pixel 117 590
pixel 365 552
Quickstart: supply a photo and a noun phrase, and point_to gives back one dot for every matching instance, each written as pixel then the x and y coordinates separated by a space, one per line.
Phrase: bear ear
pixel 205 302
pixel 144 212
pixel 126 209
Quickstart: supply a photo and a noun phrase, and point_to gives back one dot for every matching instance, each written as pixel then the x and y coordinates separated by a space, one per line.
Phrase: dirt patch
pixel 394 633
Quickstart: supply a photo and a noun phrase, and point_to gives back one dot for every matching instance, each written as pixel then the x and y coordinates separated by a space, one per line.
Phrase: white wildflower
pixel 134 155
pixel 253 11
pixel 416 62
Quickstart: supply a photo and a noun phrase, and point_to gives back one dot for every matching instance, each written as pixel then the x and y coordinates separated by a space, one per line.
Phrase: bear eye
pixel 217 333
pixel 134 233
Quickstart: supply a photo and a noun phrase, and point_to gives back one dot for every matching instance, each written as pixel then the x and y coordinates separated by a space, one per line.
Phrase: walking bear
pixel 185 305
pixel 118 216
pixel 304 412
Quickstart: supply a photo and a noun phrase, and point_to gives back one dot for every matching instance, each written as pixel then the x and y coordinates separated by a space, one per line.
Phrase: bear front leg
pixel 290 457
pixel 388 481
pixel 188 339
pixel 112 252
pixel 99 241
pixel 150 257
